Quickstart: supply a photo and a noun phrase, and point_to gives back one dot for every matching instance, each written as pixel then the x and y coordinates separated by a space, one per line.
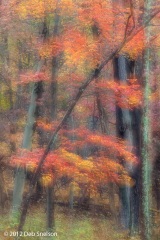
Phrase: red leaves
pixel 33 77
pixel 26 158
pixel 136 46
pixel 94 170
pixel 116 146
pixel 126 96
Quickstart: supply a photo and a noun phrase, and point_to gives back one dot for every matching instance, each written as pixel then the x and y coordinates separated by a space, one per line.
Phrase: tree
pixel 36 96
pixel 128 127
pixel 146 137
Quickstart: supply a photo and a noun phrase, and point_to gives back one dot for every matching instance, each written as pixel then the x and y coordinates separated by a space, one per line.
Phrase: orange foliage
pixel 127 96
pixel 52 47
pixel 93 170
pixel 63 163
pixel 93 28
pixel 79 48
pixel 97 12
pixel 136 46
pixel 45 126
pixel 116 146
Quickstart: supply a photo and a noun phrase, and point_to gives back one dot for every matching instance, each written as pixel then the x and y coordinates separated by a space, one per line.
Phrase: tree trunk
pixel 53 107
pixel 20 175
pixel 103 119
pixel 70 125
pixel 38 113
pixel 27 142
pixel 146 134
pixel 128 126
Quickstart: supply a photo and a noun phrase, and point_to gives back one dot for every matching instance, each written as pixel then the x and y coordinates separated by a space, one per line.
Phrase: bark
pixel 127 128
pixel 55 64
pixel 102 115
pixel 70 125
pixel 20 174
pixel 3 190
pixel 156 173
pixel 95 74
pixel 146 135
pixel 38 113
pixel 53 91
pixel 103 118
pixel 146 165
pixel 27 142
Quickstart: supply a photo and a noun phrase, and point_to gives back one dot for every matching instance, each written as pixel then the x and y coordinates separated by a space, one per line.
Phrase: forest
pixel 80 119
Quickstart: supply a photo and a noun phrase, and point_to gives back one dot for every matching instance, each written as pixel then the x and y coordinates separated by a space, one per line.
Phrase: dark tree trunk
pixel 27 142
pixel 53 107
pixel 128 127
pixel 33 112
pixel 39 113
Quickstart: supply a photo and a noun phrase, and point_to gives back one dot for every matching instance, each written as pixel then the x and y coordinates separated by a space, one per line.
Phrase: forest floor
pixel 77 224
pixel 70 225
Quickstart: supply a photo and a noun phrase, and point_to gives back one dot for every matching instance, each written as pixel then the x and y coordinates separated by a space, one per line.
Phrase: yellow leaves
pixel 101 169
pixel 51 48
pixel 124 180
pixel 134 100
pixel 4 149
pixel 75 186
pixel 66 7
pixel 74 165
pixel 31 166
pixel 36 8
pixel 85 165
pixel 80 109
pixel 46 179
pixel 45 51
pixel 82 178
pixel 40 8
pixel 69 156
